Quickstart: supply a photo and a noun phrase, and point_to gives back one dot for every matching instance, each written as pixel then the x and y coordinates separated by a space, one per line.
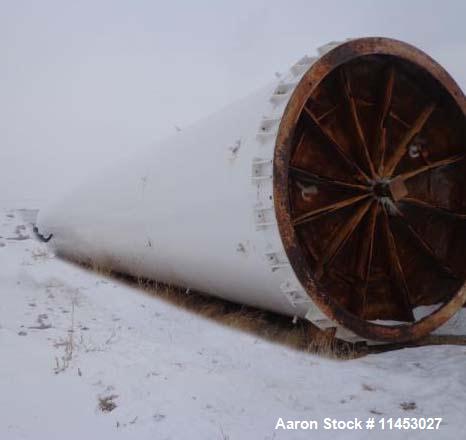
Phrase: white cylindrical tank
pixel 208 186
pixel 207 208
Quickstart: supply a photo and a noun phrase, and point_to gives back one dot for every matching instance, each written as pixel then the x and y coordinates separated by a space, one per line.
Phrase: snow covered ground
pixel 84 357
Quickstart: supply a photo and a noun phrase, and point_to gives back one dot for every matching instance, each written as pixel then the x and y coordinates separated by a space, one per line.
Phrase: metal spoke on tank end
pixel 356 122
pixel 403 290
pixel 429 206
pixel 424 246
pixel 341 237
pixel 431 166
pixel 334 144
pixel 307 176
pixel 317 212
pixel 365 255
pixel 383 112
pixel 364 265
pixel 402 147
pixel 327 113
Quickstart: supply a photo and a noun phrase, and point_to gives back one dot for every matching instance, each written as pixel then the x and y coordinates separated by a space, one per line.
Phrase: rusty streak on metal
pixel 341 152
pixel 327 113
pixel 365 260
pixel 423 245
pixel 364 264
pixel 311 215
pixel 307 176
pixel 397 269
pixel 341 237
pixel 437 164
pixel 381 135
pixel 356 122
pixel 432 207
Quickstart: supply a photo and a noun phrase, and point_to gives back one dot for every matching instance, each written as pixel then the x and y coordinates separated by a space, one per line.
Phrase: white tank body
pixel 195 210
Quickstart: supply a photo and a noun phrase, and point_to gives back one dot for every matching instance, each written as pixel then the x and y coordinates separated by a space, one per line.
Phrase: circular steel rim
pixel 312 78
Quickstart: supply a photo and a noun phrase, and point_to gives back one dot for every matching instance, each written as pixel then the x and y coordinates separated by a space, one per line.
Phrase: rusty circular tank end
pixel 369 189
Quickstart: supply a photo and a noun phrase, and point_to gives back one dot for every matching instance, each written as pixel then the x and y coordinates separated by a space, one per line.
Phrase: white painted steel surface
pixel 196 210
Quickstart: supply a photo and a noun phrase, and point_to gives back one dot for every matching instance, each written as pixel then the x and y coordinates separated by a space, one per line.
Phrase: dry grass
pixel 62 363
pixel 101 270
pixel 300 335
pixel 106 403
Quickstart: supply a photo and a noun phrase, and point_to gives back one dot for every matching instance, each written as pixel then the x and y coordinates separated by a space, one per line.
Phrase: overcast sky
pixel 83 83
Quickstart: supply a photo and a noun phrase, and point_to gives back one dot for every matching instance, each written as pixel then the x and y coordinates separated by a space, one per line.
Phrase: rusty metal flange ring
pixel 369 188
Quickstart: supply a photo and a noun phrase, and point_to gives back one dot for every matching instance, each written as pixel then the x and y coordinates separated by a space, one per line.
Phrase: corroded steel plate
pixel 369 186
